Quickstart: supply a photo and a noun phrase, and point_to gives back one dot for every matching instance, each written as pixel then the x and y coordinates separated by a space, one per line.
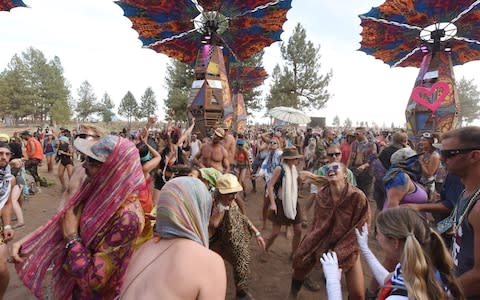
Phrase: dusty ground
pixel 269 280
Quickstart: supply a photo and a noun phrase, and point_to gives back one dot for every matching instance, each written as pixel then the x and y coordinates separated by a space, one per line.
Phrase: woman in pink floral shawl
pixel 89 243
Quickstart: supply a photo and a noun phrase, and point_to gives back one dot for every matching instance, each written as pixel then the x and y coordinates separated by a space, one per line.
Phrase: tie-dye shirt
pixel 99 270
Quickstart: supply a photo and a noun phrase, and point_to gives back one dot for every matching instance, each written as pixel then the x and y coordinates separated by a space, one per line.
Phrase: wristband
pixel 7 227
pixel 257 234
pixel 70 243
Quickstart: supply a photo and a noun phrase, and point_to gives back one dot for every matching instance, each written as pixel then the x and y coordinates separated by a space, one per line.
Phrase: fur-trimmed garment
pixel 333 229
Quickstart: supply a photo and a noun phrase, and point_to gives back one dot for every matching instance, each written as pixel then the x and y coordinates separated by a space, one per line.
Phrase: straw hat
pixel 220 132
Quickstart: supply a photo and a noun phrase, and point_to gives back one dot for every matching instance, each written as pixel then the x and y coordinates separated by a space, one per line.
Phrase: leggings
pixel 31 166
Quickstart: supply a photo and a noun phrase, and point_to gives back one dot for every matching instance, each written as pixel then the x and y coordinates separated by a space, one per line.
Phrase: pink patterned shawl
pixel 120 175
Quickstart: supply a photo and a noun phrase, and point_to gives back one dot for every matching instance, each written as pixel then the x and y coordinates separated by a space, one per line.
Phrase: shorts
pixel 65 161
pixel 279 218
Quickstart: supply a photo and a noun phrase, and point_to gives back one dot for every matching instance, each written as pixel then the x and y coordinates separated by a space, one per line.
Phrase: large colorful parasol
pixel 6 5
pixel 400 32
pixel 179 28
pixel 434 36
pixel 245 78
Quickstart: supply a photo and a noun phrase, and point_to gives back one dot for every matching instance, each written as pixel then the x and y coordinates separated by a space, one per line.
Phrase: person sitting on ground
pixel 177 264
pixel 340 208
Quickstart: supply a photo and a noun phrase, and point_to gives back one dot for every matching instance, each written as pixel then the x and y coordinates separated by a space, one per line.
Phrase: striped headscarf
pixel 120 175
pixel 183 210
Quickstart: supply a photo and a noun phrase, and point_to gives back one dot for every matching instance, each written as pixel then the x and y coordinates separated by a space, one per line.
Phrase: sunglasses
pixel 454 152
pixel 334 154
pixel 333 168
pixel 273 143
pixel 92 162
pixel 85 135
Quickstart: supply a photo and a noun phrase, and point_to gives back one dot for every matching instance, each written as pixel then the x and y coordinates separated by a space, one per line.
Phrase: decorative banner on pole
pixel 437 93
pixel 433 104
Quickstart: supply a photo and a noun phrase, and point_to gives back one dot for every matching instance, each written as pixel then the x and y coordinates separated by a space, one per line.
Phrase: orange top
pixel 34 153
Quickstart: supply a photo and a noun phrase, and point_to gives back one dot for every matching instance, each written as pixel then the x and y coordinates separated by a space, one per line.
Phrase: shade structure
pixel 289 115
pixel 6 5
pixel 179 28
pixel 402 32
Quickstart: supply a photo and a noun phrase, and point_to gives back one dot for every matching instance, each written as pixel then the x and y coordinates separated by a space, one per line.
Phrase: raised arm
pixel 186 134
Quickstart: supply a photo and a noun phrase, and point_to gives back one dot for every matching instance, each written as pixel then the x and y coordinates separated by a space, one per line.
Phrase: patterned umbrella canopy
pixel 246 78
pixel 6 5
pixel 179 28
pixel 289 115
pixel 401 32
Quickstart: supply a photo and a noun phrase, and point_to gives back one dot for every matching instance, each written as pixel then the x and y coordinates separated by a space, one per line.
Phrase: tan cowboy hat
pixel 291 153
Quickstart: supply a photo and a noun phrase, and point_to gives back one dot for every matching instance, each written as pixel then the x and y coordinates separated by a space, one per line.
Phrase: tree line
pixel 35 90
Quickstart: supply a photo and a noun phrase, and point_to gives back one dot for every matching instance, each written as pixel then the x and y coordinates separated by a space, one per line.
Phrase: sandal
pixel 18 225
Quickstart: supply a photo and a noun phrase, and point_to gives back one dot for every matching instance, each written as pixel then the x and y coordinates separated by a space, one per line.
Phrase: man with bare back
pixel 214 154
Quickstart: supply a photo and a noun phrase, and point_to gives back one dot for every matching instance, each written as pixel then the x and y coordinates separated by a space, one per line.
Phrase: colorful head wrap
pixel 183 210
pixel 210 175
pixel 120 175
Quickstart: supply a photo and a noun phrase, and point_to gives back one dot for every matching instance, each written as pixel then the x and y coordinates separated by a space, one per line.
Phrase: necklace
pixel 462 213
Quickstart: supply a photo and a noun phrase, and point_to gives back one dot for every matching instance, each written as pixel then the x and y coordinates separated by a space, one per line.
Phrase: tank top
pixel 38 154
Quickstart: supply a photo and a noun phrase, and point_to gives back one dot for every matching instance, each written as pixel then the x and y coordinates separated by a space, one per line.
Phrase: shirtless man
pixel 214 154
pixel 229 142
pixel 89 132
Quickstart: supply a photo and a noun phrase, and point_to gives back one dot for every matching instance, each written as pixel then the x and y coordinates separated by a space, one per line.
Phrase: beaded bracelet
pixel 72 242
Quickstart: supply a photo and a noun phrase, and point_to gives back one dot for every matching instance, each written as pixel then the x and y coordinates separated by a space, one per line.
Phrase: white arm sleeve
pixel 334 289
pixel 378 270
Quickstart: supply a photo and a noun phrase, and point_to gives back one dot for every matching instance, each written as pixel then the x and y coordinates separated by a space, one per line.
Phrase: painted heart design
pixel 420 93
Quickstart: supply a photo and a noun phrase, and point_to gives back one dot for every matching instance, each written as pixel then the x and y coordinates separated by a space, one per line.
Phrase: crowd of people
pixel 171 205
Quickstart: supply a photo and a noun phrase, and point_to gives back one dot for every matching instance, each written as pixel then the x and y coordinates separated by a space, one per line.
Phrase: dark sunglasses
pixel 334 154
pixel 454 152
pixel 93 162
pixel 85 135
pixel 273 143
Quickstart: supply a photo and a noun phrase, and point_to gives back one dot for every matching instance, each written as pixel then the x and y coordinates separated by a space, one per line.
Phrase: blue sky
pixel 96 43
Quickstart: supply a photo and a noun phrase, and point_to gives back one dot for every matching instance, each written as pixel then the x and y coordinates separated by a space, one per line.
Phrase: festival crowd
pixel 153 214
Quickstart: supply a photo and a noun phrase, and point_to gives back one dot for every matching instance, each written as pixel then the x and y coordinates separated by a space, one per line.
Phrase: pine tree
pixel 105 108
pixel 128 107
pixel 299 83
pixel 178 81
pixel 469 98
pixel 87 101
pixel 148 104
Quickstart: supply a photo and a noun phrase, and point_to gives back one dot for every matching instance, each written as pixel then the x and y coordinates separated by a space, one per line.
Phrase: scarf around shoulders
pixel 120 175
pixel 289 191
pixel 5 185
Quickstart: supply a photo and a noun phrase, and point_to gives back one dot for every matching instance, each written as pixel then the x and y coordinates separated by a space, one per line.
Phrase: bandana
pixel 5 185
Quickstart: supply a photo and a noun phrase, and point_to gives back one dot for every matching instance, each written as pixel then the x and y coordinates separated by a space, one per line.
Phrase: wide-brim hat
pixel 228 183
pixel 98 150
pixel 291 153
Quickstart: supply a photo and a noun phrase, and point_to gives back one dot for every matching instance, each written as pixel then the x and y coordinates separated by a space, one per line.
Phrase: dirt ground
pixel 270 280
